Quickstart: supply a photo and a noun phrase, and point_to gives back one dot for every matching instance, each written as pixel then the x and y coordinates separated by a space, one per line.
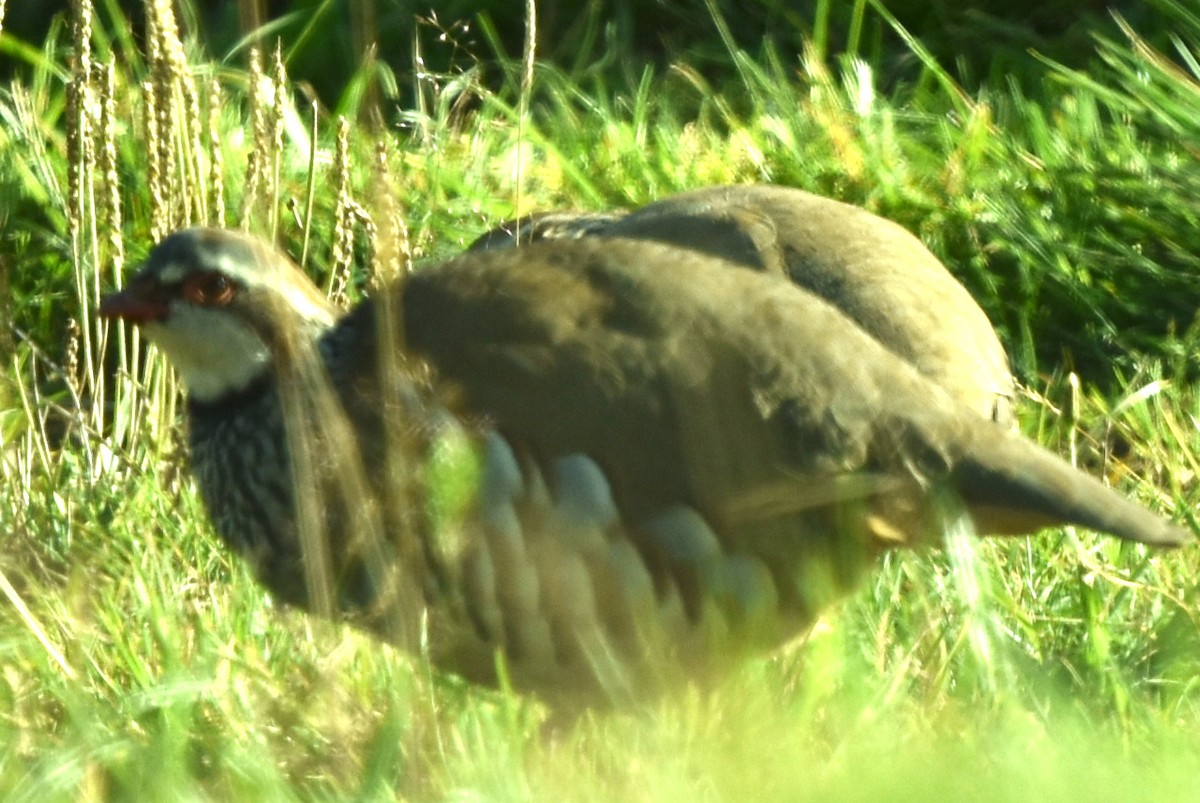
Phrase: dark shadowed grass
pixel 138 661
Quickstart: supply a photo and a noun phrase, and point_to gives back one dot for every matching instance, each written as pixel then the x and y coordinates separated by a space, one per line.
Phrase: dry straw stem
pixel 310 187
pixel 177 105
pixel 195 199
pixel 255 168
pixel 35 627
pixel 391 260
pixel 343 232
pixel 111 215
pixel 127 396
pixel 216 161
pixel 83 119
pixel 159 220
pixel 158 122
pixel 330 475
pixel 78 115
pixel 527 62
pixel 278 105
pixel 170 77
pixel 96 218
pixel 393 248
pixel 268 97
pixel 195 195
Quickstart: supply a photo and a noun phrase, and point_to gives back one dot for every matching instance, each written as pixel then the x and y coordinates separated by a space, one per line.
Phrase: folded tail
pixel 1012 486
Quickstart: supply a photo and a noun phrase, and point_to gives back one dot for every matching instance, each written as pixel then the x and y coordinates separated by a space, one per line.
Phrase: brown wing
pixel 877 273
pixel 692 383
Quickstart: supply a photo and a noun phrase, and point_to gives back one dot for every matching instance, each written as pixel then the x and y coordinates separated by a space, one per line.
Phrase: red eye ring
pixel 208 290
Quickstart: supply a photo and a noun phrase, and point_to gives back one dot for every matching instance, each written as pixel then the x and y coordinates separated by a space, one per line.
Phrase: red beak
pixel 133 304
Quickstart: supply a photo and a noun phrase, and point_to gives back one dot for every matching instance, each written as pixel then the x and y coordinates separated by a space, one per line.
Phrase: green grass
pixel 137 661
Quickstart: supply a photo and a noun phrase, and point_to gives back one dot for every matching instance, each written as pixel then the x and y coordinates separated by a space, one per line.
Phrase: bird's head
pixel 222 306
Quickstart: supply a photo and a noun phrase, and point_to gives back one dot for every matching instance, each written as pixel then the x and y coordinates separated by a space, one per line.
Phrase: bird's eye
pixel 208 290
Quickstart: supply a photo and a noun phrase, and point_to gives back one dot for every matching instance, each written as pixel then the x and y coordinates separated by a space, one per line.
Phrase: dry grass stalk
pixel 279 103
pixel 159 219
pixel 343 231
pixel 393 248
pixel 256 162
pixel 527 61
pixel 194 194
pixel 86 384
pixel 310 188
pixel 391 259
pixel 158 111
pixel 125 395
pixel 71 359
pixel 78 130
pixel 216 161
pixel 177 107
pixel 110 210
pixel 156 168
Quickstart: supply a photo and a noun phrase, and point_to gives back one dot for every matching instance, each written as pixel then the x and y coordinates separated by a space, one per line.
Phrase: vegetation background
pixel 1046 151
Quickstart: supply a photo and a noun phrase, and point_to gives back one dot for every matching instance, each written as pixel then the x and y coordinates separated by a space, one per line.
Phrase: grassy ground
pixel 138 662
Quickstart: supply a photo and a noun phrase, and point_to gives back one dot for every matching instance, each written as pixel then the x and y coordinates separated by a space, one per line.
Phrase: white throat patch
pixel 213 352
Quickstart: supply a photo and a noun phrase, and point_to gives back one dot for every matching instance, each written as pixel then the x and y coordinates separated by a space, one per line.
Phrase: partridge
pixel 873 270
pixel 669 463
